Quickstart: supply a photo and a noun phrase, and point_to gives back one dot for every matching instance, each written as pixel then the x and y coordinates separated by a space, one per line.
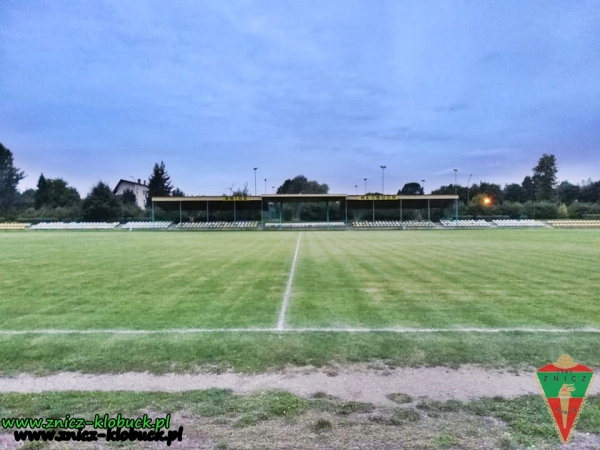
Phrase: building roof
pixel 133 183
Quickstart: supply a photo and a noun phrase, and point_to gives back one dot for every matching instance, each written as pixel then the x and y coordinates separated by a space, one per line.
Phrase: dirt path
pixel 356 382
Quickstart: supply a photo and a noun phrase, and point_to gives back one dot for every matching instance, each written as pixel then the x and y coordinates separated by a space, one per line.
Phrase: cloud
pixel 452 108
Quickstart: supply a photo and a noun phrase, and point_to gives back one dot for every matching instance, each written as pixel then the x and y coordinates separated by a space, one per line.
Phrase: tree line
pixel 538 195
pixel 54 199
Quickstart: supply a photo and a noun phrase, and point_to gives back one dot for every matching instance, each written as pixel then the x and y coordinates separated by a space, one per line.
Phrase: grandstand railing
pixel 218 225
pixel 74 226
pixel 464 224
pixel 514 223
pixel 13 226
pixel 304 225
pixel 139 225
pixel 406 225
pixel 568 223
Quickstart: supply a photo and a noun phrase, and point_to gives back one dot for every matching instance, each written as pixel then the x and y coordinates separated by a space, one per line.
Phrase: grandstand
pixel 74 226
pixel 465 224
pixel 395 224
pixel 13 226
pixel 512 223
pixel 154 225
pixel 574 223
pixel 304 225
pixel 218 225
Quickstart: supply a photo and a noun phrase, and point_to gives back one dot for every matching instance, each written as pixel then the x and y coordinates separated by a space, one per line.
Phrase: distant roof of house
pixel 130 182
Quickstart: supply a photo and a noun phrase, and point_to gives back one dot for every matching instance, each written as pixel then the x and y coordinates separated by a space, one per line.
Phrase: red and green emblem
pixel 565 385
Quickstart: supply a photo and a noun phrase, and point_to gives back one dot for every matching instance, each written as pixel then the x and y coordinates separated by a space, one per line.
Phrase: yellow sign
pixel 379 197
pixel 236 198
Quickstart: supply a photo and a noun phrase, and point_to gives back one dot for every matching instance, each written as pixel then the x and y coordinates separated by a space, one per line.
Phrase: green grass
pixel 208 403
pixel 526 417
pixel 142 280
pixel 253 352
pixel 487 278
pixel 96 280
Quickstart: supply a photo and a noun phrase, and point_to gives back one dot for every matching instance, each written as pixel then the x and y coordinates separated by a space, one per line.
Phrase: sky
pixel 104 89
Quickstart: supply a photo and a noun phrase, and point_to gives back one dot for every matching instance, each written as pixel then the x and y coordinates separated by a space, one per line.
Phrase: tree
pixel 412 188
pixel 101 204
pixel 241 192
pixel 55 193
pixel 590 192
pixel 544 177
pixel 9 178
pixel 61 194
pixel 159 183
pixel 26 199
pixel 513 193
pixel 491 190
pixel 42 195
pixel 528 189
pixel 300 185
pixel 128 197
pixel 178 193
pixel 568 193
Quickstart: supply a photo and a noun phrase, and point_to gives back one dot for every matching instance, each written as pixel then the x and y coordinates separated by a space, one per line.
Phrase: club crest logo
pixel 564 386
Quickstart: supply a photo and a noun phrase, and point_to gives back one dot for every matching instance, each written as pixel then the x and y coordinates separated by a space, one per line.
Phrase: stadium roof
pixel 353 201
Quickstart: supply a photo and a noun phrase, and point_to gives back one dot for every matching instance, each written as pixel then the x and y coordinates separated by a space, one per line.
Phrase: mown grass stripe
pixel 305 330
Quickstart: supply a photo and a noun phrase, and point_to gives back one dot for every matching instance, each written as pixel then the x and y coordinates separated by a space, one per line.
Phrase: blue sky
pixel 103 89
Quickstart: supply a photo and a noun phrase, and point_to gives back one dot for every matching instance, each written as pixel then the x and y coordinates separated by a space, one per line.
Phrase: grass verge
pixel 251 353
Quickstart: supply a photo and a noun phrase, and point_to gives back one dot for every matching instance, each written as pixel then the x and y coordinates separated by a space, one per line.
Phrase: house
pixel 139 189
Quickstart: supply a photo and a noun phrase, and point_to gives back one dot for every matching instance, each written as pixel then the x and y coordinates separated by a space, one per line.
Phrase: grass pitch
pixel 430 279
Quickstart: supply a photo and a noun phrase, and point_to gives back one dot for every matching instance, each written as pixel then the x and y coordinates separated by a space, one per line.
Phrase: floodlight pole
pixel 356 187
pixel 265 186
pixel 468 187
pixel 365 186
pixel 382 186
pixel 423 186
pixel 455 193
pixel 255 180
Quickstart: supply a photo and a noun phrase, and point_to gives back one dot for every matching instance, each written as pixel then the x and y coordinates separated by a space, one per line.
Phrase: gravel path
pixel 357 382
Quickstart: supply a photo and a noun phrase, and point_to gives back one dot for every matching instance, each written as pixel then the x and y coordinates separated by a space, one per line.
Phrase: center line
pixel 288 288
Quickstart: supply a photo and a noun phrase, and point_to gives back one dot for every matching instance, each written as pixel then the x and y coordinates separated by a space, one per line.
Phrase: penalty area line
pixel 300 330
pixel 288 288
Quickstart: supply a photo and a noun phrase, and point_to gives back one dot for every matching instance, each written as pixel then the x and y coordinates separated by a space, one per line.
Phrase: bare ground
pixel 372 431
pixel 317 429
pixel 366 383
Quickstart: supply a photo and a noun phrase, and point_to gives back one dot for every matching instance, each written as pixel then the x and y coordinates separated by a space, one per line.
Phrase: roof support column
pixel 429 210
pixel 401 211
pixel 327 208
pixel 234 218
pixel 207 211
pixel 373 212
pixel 346 211
pixel 152 213
pixel 180 213
pixel 262 213
pixel 280 213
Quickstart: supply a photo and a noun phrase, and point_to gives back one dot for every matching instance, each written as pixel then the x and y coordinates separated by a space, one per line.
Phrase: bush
pixel 583 210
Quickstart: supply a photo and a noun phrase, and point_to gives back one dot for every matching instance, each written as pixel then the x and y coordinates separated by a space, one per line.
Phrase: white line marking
pixel 303 330
pixel 288 288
